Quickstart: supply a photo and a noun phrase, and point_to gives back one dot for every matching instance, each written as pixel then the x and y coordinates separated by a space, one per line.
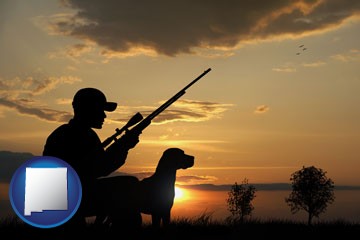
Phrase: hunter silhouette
pixel 78 144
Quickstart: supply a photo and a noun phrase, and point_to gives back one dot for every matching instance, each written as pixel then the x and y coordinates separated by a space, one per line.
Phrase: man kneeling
pixel 78 144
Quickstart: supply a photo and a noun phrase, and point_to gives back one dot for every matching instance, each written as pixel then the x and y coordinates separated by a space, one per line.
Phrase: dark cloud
pixel 20 94
pixel 9 162
pixel 173 27
pixel 46 114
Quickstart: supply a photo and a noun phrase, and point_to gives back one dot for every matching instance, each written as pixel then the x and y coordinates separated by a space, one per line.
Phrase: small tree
pixel 312 191
pixel 239 200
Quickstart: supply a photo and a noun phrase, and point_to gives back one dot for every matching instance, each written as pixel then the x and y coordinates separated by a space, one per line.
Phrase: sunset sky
pixel 283 91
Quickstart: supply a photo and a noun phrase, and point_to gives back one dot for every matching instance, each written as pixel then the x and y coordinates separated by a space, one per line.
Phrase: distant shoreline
pixel 258 186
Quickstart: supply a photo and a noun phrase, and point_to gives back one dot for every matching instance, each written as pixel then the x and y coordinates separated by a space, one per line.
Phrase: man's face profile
pixel 96 117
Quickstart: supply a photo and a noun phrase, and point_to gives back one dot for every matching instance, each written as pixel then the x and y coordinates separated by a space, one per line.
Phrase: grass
pixel 201 227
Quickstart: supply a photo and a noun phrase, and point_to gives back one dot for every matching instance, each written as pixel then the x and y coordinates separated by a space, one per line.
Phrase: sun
pixel 179 194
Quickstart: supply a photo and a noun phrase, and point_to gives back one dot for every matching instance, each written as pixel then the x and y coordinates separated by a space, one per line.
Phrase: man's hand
pixel 129 140
pixel 118 150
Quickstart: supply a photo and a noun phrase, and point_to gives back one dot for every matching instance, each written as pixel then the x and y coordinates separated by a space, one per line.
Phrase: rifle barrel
pixel 175 97
pixel 146 121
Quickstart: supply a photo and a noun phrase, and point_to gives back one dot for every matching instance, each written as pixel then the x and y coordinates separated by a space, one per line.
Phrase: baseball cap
pixel 90 98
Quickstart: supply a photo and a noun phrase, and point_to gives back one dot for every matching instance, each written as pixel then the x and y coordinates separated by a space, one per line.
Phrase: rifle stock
pixel 144 123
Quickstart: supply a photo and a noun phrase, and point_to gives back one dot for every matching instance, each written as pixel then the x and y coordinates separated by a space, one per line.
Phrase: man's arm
pixel 117 153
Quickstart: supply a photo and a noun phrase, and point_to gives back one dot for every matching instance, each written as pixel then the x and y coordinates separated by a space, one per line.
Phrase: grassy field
pixel 202 227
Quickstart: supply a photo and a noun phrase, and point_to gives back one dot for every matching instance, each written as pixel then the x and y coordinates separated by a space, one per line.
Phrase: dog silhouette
pixel 157 192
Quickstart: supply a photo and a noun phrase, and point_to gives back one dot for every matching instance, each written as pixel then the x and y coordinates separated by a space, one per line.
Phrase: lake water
pixel 267 205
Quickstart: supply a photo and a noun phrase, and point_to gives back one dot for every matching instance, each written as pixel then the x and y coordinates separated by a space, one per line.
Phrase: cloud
pixel 284 69
pixel 314 64
pixel 47 114
pixel 351 56
pixel 261 109
pixel 20 94
pixel 193 179
pixel 180 179
pixel 184 26
pixel 64 101
pixel 186 110
pixel 32 86
pixel 77 50
pixel 72 52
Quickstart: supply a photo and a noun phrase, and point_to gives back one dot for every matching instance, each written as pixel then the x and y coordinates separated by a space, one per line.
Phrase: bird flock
pixel 301 47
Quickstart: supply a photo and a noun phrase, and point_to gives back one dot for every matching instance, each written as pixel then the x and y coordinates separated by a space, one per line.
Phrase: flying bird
pixel 303 48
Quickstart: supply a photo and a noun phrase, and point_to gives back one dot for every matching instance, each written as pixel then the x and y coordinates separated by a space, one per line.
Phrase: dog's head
pixel 175 158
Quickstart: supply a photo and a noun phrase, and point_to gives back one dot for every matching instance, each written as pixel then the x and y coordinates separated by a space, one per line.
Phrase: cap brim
pixel 110 106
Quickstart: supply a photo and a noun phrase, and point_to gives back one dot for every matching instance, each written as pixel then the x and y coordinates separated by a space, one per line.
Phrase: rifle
pixel 143 123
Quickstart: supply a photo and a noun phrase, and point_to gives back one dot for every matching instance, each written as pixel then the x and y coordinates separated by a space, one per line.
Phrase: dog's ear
pixel 173 151
pixel 171 159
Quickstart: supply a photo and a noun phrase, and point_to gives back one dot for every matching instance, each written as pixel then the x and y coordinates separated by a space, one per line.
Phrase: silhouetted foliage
pixel 189 228
pixel 312 191
pixel 239 200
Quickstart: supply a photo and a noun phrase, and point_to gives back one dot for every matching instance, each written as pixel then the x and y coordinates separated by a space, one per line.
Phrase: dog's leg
pixel 166 219
pixel 155 220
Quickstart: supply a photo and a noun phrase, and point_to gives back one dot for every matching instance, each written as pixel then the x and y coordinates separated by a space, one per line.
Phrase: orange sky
pixel 263 112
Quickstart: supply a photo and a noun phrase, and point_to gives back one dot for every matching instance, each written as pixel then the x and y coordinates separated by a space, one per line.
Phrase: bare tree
pixel 239 200
pixel 312 191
